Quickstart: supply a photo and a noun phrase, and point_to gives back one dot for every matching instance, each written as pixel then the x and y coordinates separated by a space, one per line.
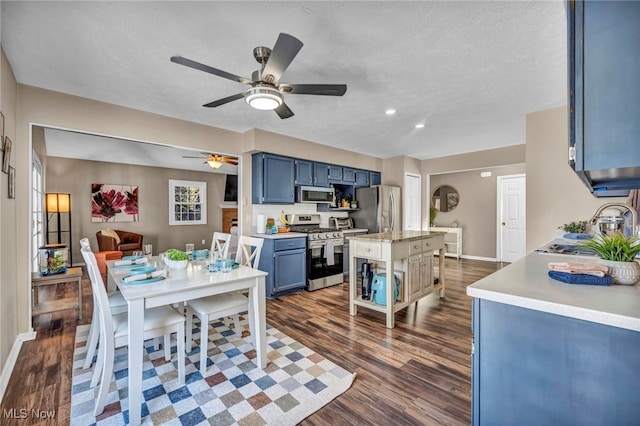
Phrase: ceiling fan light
pixel 264 98
pixel 214 164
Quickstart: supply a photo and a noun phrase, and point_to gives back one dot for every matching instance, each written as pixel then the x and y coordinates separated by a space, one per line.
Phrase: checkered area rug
pixel 296 383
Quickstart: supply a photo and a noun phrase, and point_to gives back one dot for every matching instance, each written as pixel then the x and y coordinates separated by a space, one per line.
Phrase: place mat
pixel 296 383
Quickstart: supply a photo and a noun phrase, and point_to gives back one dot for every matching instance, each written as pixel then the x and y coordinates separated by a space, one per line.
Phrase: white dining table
pixel 179 286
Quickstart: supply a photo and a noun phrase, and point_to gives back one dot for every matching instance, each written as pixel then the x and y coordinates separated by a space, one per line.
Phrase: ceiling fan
pixel 266 92
pixel 215 161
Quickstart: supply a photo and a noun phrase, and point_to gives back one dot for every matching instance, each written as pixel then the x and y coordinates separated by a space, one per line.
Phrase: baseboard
pixel 486 259
pixel 12 359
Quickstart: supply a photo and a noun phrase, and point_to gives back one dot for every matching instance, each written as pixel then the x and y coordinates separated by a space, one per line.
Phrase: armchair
pixel 126 242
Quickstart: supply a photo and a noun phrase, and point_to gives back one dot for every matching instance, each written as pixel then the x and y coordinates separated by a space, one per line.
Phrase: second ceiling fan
pixel 215 161
pixel 266 91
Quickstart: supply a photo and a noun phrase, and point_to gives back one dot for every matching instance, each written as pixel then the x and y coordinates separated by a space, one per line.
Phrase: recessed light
pixel 419 126
pixel 390 111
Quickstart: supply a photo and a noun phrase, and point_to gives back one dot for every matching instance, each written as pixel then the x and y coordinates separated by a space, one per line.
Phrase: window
pixel 37 194
pixel 187 202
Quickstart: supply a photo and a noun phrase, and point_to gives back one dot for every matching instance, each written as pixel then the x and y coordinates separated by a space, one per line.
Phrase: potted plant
pixel 576 230
pixel 432 216
pixel 618 253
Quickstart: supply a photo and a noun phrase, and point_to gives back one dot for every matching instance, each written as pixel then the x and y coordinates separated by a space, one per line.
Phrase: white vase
pixel 625 273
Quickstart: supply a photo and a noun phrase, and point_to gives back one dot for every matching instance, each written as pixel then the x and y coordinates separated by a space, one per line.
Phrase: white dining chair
pixel 220 243
pixel 117 305
pixel 223 305
pixel 159 321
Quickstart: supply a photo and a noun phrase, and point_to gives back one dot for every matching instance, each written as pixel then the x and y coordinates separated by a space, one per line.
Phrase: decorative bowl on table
pixel 176 264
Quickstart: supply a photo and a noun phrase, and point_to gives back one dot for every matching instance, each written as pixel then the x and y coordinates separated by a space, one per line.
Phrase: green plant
pixel 575 227
pixel 616 247
pixel 174 254
pixel 432 214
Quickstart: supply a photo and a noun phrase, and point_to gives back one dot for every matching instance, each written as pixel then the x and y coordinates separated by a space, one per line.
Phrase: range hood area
pixel 611 182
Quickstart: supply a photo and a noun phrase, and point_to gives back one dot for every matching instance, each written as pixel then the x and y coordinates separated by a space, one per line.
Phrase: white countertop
pixel 353 230
pixel 280 235
pixel 526 284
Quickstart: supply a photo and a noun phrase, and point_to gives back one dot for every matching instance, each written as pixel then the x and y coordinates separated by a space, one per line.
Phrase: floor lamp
pixel 57 204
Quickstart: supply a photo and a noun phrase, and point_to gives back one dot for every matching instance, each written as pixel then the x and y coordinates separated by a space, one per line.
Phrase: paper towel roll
pixel 261 224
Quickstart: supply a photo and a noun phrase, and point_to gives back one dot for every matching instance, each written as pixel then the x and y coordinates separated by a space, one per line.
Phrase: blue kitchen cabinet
pixel 362 178
pixel 285 261
pixel 320 174
pixel 348 175
pixel 304 173
pixel 604 94
pixel 273 179
pixel 375 178
pixel 535 368
pixel 335 173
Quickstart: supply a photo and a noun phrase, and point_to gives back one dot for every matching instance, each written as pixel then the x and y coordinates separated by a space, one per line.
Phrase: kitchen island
pixel 406 254
pixel 547 352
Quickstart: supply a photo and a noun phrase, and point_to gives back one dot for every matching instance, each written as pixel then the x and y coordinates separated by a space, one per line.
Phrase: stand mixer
pixel 610 225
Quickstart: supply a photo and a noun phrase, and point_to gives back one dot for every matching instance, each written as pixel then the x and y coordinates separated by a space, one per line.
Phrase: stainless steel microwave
pixel 314 194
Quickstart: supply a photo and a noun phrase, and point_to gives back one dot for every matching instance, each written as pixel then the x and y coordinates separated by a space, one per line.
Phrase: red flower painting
pixel 114 203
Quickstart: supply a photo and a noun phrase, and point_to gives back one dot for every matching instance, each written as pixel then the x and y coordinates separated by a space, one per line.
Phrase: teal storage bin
pixel 379 289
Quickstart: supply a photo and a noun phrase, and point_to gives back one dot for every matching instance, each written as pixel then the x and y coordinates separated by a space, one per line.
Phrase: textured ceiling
pixel 470 71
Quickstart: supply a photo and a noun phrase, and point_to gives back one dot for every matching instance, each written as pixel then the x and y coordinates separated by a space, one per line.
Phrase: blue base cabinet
pixel 285 261
pixel 535 368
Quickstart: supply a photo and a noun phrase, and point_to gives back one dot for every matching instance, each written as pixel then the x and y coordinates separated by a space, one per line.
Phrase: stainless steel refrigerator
pixel 378 209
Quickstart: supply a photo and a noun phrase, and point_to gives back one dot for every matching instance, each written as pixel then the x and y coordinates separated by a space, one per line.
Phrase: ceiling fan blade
pixel 224 100
pixel 283 52
pixel 314 89
pixel 206 68
pixel 228 161
pixel 283 111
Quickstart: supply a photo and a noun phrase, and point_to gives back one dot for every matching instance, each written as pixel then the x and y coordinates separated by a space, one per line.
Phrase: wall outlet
pixel 203 242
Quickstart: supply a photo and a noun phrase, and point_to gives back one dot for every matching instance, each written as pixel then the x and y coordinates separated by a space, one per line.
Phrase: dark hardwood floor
pixel 417 373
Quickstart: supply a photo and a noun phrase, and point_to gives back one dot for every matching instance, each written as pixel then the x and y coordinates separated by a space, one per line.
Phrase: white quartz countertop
pixel 390 237
pixel 353 230
pixel 526 284
pixel 280 235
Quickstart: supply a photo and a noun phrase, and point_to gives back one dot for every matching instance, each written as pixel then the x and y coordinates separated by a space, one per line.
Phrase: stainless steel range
pixel 325 257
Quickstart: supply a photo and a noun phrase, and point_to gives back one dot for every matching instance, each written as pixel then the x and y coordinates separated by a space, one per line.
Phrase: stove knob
pixel 322 236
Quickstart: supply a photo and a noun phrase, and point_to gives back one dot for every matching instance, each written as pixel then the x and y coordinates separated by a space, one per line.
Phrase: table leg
pixel 257 301
pixel 441 273
pixel 136 343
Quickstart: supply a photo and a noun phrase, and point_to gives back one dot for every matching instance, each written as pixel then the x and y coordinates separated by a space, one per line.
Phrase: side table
pixel 71 275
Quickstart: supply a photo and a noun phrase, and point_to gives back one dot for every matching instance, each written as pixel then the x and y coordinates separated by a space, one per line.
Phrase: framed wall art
pixel 2 130
pixel 6 155
pixel 114 203
pixel 12 182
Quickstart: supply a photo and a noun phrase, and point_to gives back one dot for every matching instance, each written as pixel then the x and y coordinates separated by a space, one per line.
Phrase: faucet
pixel 620 206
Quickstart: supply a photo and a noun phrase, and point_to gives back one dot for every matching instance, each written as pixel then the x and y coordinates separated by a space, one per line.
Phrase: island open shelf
pixel 407 252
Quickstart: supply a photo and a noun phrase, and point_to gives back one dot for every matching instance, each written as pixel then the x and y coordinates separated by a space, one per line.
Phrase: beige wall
pixel 476 212
pixel 153 201
pixel 9 323
pixel 555 195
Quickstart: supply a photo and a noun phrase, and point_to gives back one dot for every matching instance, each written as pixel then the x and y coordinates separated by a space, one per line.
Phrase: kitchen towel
pixel 580 278
pixel 329 253
pixel 579 268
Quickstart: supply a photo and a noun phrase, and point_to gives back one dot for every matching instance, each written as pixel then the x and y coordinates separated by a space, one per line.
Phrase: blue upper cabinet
pixel 273 179
pixel 604 90
pixel 362 178
pixel 335 173
pixel 320 174
pixel 375 178
pixel 304 173
pixel 348 175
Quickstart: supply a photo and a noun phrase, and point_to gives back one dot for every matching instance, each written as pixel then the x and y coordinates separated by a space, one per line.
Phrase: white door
pixel 512 230
pixel 412 202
